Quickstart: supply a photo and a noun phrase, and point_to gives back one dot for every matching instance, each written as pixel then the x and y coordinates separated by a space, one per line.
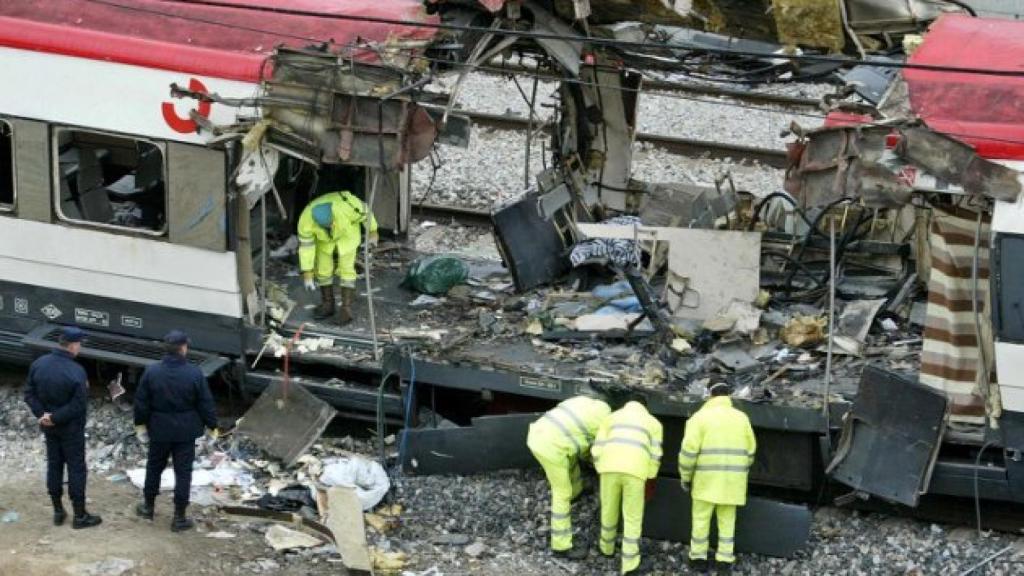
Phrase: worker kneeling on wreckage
pixel 331 224
pixel 716 454
pixel 627 454
pixel 558 440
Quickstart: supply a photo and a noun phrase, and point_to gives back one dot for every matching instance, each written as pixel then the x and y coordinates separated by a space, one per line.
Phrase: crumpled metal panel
pixel 330 110
pixel 874 16
pixel 890 438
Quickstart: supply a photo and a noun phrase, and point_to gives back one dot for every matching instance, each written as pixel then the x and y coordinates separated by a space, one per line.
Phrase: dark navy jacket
pixel 58 385
pixel 173 401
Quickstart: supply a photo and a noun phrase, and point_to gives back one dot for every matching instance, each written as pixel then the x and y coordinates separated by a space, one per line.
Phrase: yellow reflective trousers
pixel 701 531
pixel 623 492
pixel 563 474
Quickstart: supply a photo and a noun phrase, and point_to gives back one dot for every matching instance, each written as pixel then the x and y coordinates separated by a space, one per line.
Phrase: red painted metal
pixel 986 112
pixel 219 41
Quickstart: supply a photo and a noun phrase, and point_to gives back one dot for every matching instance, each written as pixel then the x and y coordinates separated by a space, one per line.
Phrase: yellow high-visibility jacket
pixel 349 212
pixel 569 428
pixel 629 442
pixel 717 452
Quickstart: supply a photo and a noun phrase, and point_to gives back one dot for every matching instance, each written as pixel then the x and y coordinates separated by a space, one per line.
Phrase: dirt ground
pixel 33 546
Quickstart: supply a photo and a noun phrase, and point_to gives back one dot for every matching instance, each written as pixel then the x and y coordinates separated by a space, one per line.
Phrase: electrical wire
pixel 410 398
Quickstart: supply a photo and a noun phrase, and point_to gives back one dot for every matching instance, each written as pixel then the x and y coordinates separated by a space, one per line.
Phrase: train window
pixel 110 181
pixel 6 166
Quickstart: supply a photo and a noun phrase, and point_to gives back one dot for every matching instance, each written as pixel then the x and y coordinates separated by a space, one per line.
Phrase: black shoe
pixel 181 523
pixel 723 568
pixel 144 511
pixel 85 520
pixel 699 566
pixel 59 516
pixel 575 553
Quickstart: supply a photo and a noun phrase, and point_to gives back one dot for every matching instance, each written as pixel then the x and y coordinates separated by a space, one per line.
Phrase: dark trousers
pixel 182 454
pixel 66 449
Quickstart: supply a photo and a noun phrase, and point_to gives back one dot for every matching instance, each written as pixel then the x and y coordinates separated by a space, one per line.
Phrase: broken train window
pixel 7 195
pixel 110 181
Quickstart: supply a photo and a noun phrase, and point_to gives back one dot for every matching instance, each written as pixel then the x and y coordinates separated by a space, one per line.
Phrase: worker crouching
pixel 716 454
pixel 330 225
pixel 558 440
pixel 627 453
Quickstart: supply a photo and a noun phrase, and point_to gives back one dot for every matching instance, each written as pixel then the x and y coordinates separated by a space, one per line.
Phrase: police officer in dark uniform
pixel 56 392
pixel 172 405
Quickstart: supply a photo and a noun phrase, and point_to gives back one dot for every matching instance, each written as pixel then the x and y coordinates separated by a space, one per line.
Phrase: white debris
pixel 281 537
pixel 290 247
pixel 107 567
pixel 367 477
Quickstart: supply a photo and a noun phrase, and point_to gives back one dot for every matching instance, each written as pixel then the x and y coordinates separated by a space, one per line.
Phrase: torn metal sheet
pixel 763 526
pixel 685 205
pixel 854 323
pixel 470 449
pixel 708 269
pixel 285 421
pixel 891 437
pixel 566 52
pixel 734 357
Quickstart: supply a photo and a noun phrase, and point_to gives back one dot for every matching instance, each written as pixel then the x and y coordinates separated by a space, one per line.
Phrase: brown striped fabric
pixel 949 358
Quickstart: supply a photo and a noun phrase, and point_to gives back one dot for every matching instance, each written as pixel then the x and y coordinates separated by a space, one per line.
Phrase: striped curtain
pixel 949 359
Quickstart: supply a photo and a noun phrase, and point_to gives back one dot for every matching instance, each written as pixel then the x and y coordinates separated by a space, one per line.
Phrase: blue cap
pixel 72 334
pixel 323 215
pixel 176 337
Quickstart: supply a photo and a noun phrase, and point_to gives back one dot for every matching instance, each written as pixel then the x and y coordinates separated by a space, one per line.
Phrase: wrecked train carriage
pixel 117 215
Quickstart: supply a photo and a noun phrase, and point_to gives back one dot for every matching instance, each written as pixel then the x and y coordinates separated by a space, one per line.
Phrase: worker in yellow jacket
pixel 558 440
pixel 627 453
pixel 330 225
pixel 716 454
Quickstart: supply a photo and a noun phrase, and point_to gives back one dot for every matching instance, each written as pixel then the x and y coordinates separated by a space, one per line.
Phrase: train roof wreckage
pixel 855 294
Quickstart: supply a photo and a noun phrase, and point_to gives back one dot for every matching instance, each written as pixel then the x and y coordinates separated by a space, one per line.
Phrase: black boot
pixel 576 553
pixel 699 566
pixel 181 522
pixel 144 509
pixel 348 296
pixel 327 303
pixel 723 568
pixel 59 515
pixel 82 518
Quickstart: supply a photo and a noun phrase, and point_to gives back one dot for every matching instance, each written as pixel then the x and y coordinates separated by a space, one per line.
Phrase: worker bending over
pixel 717 451
pixel 627 453
pixel 558 439
pixel 331 224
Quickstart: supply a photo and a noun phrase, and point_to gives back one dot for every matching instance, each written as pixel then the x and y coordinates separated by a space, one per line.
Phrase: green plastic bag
pixel 436 275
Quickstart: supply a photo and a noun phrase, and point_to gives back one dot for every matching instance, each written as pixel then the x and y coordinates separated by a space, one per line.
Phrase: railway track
pixel 682 146
pixel 751 97
pixel 472 216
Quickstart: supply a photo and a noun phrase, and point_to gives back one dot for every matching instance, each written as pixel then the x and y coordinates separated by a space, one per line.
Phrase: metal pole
pixel 831 314
pixel 529 134
pixel 263 262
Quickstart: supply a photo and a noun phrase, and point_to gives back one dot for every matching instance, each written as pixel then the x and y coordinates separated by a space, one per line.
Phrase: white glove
pixel 309 284
pixel 142 435
pixel 685 486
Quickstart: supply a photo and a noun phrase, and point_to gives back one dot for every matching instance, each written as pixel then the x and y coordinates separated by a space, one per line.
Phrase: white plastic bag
pixel 366 476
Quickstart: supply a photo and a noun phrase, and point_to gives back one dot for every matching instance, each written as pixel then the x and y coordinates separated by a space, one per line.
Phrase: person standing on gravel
pixel 558 439
pixel 716 454
pixel 172 404
pixel 627 453
pixel 57 394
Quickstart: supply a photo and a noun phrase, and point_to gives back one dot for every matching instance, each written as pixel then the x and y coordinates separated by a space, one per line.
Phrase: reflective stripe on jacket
pixel 349 212
pixel 629 442
pixel 569 428
pixel 717 452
